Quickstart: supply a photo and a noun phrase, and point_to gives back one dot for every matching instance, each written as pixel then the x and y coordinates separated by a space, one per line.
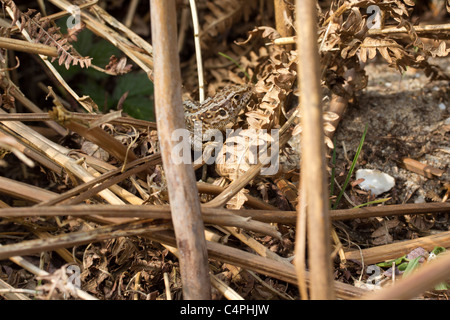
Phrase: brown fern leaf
pixel 43 31
pixel 118 66
pixel 349 32
pixel 222 15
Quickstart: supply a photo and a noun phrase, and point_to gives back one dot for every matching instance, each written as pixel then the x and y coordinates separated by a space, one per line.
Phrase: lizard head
pixel 225 106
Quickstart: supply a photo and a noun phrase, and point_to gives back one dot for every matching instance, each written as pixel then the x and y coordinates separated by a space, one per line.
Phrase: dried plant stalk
pixel 398 249
pixel 313 164
pixel 125 213
pixel 81 237
pixel 183 194
pixel 25 46
pixel 283 20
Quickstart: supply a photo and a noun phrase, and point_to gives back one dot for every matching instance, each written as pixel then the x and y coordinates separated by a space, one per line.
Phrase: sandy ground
pixel 407 116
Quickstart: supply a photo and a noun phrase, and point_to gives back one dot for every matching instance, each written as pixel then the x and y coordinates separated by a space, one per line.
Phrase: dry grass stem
pixel 313 154
pixel 398 249
pixel 183 194
pixel 25 46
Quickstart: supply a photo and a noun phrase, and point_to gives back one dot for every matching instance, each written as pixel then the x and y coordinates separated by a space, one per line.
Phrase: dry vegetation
pixel 85 190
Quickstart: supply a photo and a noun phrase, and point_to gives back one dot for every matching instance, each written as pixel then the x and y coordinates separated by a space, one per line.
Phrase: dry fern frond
pixel 118 66
pixel 43 31
pixel 223 14
pixel 348 33
pixel 276 75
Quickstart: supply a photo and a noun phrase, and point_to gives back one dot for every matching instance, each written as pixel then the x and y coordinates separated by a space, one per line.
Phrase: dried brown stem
pixel 313 162
pixel 421 168
pixel 25 46
pixel 148 161
pixel 283 19
pixel 125 213
pixel 183 194
pixel 82 237
pixel 17 94
pixel 398 249
pixel 290 217
pixel 433 30
pixel 24 191
pixel 44 116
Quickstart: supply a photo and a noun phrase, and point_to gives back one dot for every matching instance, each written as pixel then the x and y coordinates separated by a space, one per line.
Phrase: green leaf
pixel 97 92
pixel 403 266
pixel 347 180
pixel 438 250
pixel 388 263
pixel 138 103
pixel 442 287
pixel 139 107
pixel 135 83
pixel 412 265
pixel 92 82
pixel 100 52
pixel 372 202
pixel 87 44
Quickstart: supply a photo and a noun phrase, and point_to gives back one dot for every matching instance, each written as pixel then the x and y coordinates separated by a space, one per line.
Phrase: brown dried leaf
pixel 237 202
pixel 261 32
pixel 440 51
pixel 118 66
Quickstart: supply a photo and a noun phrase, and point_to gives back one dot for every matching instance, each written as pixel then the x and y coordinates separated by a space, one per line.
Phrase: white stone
pixel 375 181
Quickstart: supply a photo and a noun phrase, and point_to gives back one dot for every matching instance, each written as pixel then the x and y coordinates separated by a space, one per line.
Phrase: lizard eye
pixel 222 113
pixel 237 96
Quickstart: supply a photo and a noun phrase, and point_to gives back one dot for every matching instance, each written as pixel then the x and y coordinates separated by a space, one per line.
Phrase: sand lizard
pixel 218 111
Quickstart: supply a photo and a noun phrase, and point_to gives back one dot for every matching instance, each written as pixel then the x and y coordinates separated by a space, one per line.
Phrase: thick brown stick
pixel 25 46
pixel 126 213
pixel 290 217
pixel 282 16
pixel 71 239
pixel 313 165
pixel 183 194
pixel 398 249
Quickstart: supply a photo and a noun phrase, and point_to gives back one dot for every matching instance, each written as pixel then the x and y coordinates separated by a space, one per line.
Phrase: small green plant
pixel 352 168
pixel 376 201
pixel 408 266
pixel 411 266
pixel 401 263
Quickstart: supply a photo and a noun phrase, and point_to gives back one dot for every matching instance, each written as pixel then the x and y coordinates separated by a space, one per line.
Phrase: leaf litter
pixel 396 84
